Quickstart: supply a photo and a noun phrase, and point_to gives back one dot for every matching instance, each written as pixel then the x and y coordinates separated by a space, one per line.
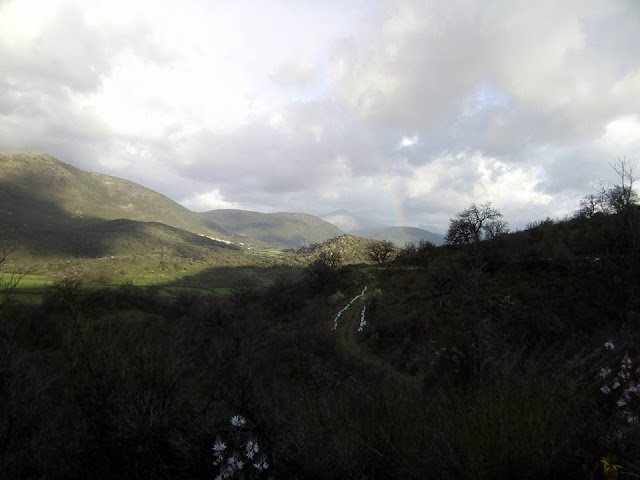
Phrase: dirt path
pixel 347 336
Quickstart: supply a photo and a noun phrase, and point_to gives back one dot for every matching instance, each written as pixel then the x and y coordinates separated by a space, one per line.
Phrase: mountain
pixel 274 229
pixel 37 191
pixel 343 220
pixel 400 235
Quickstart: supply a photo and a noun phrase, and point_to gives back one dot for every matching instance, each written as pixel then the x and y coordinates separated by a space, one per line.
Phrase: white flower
pixel 608 345
pixel 252 448
pixel 238 421
pixel 261 465
pixel 621 403
pixel 606 390
pixel 219 446
pixel 605 372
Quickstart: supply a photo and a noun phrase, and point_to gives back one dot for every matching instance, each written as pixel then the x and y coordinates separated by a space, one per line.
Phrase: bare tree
pixel 607 199
pixel 590 205
pixel 475 223
pixel 9 281
pixel 380 250
pixel 622 196
pixel 495 227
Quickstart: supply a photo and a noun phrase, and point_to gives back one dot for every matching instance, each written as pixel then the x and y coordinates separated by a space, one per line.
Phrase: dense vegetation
pixel 134 349
pixel 510 357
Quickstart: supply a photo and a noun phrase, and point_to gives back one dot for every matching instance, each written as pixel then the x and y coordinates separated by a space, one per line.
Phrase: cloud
pixel 298 72
pixel 395 110
pixel 408 142
pixel 210 200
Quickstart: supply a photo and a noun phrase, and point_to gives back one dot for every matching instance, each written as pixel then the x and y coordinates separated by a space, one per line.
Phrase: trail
pixel 347 337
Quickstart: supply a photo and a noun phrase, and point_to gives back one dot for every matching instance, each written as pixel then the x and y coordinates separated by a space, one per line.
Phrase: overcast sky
pixel 402 112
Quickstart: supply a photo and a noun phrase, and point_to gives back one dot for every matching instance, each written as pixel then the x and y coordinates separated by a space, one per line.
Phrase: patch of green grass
pixel 267 252
pixel 29 284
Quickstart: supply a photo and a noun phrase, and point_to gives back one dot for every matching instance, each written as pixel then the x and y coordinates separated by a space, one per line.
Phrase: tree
pixel 9 282
pixel 380 250
pixel 621 197
pixel 590 205
pixel 475 223
pixel 611 199
pixel 330 259
pixel 321 273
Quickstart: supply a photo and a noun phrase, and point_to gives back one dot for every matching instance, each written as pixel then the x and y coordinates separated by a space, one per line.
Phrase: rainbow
pixel 395 200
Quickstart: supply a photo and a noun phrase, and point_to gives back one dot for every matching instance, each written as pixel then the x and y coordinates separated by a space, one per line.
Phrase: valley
pixel 59 221
pixel 128 343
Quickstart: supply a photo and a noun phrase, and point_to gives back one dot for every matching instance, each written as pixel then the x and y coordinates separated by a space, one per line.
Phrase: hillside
pixel 513 355
pixel 342 219
pixel 37 190
pixel 352 249
pixel 117 237
pixel 400 235
pixel 273 229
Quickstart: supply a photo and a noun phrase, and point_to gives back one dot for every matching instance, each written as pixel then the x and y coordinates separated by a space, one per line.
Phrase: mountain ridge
pixel 400 235
pixel 343 219
pixel 39 190
pixel 283 229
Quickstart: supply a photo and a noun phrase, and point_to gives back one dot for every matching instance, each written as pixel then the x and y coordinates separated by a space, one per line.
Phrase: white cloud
pixel 211 200
pixel 299 72
pixel 379 107
pixel 407 142
pixel 623 134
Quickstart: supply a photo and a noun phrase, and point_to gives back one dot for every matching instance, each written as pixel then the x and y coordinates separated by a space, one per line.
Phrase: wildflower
pixel 608 345
pixel 616 384
pixel 219 446
pixel 252 448
pixel 605 372
pixel 621 403
pixel 630 418
pixel 605 389
pixel 261 464
pixel 238 421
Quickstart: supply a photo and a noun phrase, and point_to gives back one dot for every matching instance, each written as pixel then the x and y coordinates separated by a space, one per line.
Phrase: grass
pixel 463 371
pixel 214 274
pixel 268 252
pixel 29 283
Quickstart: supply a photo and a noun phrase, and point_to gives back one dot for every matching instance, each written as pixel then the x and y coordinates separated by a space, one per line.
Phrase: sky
pixel 401 112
